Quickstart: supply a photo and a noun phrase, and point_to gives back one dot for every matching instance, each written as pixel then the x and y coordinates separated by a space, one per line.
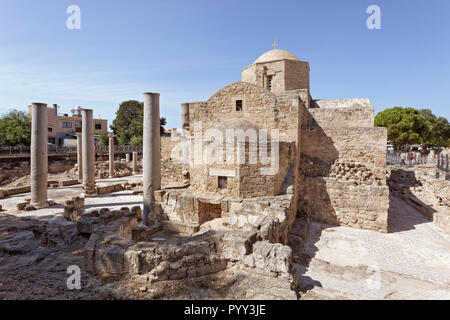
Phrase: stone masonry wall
pixel 343 176
pixel 260 106
pixel 171 171
pixel 357 116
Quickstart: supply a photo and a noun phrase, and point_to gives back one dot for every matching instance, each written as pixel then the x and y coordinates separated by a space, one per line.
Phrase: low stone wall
pixel 113 252
pixel 110 188
pixel 270 217
pixel 18 190
pixel 107 254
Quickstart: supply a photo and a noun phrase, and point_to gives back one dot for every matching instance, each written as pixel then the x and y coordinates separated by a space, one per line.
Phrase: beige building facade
pixel 62 126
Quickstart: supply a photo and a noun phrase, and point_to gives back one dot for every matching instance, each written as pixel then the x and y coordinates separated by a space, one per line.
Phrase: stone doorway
pixel 208 211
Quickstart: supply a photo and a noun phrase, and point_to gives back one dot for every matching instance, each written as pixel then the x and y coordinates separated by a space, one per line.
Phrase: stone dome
pixel 276 54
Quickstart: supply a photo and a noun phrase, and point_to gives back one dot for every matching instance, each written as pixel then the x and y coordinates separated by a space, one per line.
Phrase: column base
pixel 85 195
pixel 39 205
pixel 89 190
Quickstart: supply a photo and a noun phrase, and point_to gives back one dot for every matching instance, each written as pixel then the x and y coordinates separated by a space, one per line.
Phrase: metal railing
pixel 397 158
pixel 54 150
pixel 442 162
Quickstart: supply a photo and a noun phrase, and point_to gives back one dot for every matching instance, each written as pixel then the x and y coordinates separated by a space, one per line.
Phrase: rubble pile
pixel 121 169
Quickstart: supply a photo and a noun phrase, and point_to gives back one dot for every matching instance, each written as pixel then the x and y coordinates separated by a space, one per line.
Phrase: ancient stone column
pixel 185 144
pixel 111 156
pixel 151 153
pixel 88 153
pixel 127 157
pixel 39 155
pixel 80 156
pixel 135 160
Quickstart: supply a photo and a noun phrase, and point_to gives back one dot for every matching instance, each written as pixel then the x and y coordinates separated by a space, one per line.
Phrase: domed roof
pixel 276 54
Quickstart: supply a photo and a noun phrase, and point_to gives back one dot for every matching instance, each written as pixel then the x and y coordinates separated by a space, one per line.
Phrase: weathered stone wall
pixel 355 116
pixel 171 170
pixel 260 106
pixel 286 75
pixel 342 177
pixel 296 75
pixel 247 179
pixel 257 74
pixel 262 109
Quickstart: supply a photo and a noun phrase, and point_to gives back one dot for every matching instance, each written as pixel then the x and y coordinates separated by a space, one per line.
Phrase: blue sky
pixel 187 50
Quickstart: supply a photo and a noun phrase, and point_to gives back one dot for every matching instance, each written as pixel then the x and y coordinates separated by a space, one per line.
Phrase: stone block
pixel 87 225
pixel 63 183
pixel 138 212
pixel 21 206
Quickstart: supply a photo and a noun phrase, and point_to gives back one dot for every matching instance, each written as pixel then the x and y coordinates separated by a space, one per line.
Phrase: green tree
pixel 129 123
pixel 440 133
pixel 15 129
pixel 103 138
pixel 405 126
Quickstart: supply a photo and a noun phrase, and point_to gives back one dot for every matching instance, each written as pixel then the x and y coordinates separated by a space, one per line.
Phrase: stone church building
pixel 331 157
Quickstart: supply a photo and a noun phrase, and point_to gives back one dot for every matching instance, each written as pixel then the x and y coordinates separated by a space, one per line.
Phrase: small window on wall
pixel 238 105
pixel 78 124
pixel 223 182
pixel 98 126
pixel 269 83
pixel 67 124
pixel 50 129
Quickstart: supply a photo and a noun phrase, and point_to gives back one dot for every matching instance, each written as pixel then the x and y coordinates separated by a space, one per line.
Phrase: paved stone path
pixel 411 262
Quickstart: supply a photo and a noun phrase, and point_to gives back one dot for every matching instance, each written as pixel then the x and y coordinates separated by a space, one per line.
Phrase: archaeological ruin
pixel 238 195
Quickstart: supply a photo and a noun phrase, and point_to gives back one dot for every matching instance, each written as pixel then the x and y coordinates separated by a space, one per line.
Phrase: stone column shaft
pixel 39 155
pixel 88 153
pixel 111 156
pixel 135 160
pixel 151 152
pixel 80 156
pixel 185 145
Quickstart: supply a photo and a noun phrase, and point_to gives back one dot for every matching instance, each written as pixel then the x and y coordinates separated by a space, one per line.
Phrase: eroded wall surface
pixel 342 168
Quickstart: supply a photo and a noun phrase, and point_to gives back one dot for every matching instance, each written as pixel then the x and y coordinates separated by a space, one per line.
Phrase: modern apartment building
pixel 62 127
